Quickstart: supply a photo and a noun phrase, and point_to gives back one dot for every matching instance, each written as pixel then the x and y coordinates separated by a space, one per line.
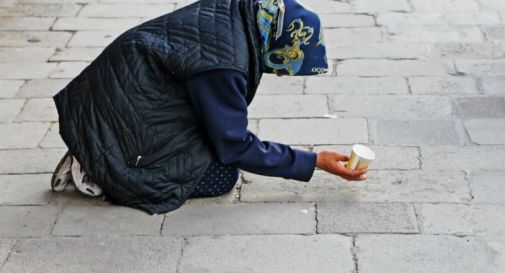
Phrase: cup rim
pixel 363 152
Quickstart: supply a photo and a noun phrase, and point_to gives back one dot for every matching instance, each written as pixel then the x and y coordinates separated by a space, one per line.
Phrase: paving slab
pixel 495 33
pixel 461 219
pixel 463 158
pixel 26 221
pixel 25 23
pixel 241 219
pixel 272 84
pixel 41 10
pixel 356 85
pixel 25 71
pixel 391 107
pixel 488 187
pixel 29 160
pixel 85 54
pixel 422 254
pixel 68 70
pixel 38 109
pixel 114 255
pixel 419 33
pixel 480 107
pixel 28 189
pixel 352 35
pixel 368 6
pixel 76 23
pixel 340 20
pixel 494 67
pixel 442 86
pixel 342 217
pixel 381 186
pixel 387 157
pixel 125 10
pixel 327 6
pixel 9 88
pixel 418 132
pixel 22 135
pixel 474 50
pixel 445 5
pixel 34 38
pixel 277 253
pixel 53 139
pixel 106 220
pixel 494 85
pixel 25 54
pixel 490 4
pixel 389 68
pixel 377 51
pixel 42 88
pixel 324 131
pixel 288 106
pixel 486 131
pixel 93 38
pixel 9 109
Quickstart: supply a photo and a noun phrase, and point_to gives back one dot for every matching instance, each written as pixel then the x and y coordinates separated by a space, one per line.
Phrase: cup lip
pixel 363 151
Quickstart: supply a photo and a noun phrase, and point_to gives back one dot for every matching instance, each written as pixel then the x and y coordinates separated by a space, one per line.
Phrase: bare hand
pixel 334 162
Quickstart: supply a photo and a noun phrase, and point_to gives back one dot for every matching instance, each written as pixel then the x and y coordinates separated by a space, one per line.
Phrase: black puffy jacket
pixel 127 117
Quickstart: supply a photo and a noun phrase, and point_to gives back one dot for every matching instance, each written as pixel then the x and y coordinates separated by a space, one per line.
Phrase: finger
pixel 341 157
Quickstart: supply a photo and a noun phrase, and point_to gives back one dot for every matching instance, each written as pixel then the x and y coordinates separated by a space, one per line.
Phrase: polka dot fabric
pixel 217 180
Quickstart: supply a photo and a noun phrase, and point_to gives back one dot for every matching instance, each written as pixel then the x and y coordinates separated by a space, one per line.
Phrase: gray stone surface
pixel 27 189
pixel 125 10
pixel 44 88
pixel 494 85
pixel 463 158
pixel 25 71
pixel 480 107
pixel 268 254
pixel 417 132
pixel 377 51
pixel 461 219
pixel 53 139
pixel 391 107
pixel 327 6
pixel 42 109
pixel 367 6
pixel 466 50
pixel 241 219
pixel 495 33
pixel 381 186
pixel 323 131
pixel 76 54
pixel 26 221
pixel 270 85
pixel 288 106
pixel 488 187
pixel 22 135
pixel 445 5
pixel 68 70
pixel 73 23
pixel 486 131
pixel 386 157
pixel 352 35
pixel 434 34
pixel 442 86
pixel 105 220
pixel 481 67
pixel 9 88
pixel 346 20
pixel 34 38
pixel 114 255
pixel 5 249
pixel 25 23
pixel 357 85
pixel 25 54
pixel 41 9
pixel 422 254
pixel 366 218
pixel 9 109
pixel 29 160
pixel 389 68
pixel 93 38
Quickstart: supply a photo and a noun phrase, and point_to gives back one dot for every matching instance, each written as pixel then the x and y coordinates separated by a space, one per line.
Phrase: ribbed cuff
pixel 304 166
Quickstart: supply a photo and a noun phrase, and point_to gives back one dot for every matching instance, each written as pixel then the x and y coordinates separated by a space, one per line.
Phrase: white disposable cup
pixel 360 158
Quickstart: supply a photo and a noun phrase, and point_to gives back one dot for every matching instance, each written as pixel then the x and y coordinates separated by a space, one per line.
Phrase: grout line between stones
pixel 9 254
pixel 354 251
pixel 418 219
pixel 184 244
pixel 316 217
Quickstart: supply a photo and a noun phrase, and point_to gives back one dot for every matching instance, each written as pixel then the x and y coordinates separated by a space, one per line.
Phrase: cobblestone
pixel 486 131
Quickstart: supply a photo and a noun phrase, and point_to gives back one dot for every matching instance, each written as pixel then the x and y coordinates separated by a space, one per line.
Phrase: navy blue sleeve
pixel 218 98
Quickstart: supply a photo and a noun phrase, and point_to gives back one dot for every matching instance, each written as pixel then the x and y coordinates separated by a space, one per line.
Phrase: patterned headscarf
pixel 291 38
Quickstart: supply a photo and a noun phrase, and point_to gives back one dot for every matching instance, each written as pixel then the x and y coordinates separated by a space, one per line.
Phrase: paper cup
pixel 360 158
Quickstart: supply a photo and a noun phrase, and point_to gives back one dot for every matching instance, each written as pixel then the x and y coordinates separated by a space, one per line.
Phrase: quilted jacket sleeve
pixel 218 100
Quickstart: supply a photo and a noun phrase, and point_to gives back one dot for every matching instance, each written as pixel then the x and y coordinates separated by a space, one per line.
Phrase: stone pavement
pixel 420 81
